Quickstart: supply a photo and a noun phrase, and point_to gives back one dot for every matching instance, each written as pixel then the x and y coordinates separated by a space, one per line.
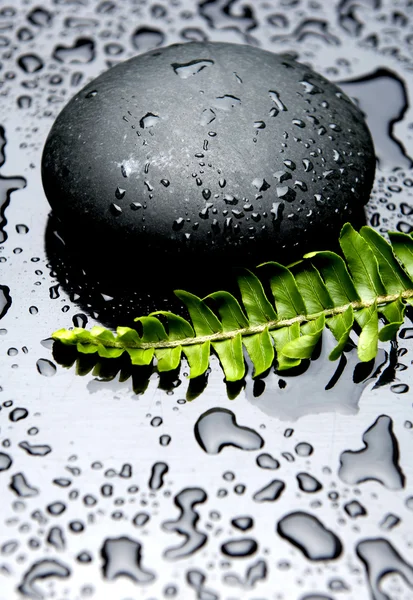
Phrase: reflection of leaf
pixel 372 279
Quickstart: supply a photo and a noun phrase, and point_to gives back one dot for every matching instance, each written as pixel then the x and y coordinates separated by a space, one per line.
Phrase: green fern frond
pixel 370 285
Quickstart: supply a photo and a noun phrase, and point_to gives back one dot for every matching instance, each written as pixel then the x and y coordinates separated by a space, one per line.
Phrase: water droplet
pixel 380 558
pixel 115 209
pixel 307 483
pixel 243 523
pixel 304 449
pixel 122 556
pixel 354 509
pixel 140 519
pixel 309 535
pixel 148 121
pixel 389 521
pixel 30 63
pixel 239 548
pixel 21 487
pixel 226 102
pixel 43 569
pixel 279 105
pixel 217 428
pixel 271 492
pixel 17 414
pixel 185 70
pixel 56 508
pixel 378 460
pixel 119 193
pixel 5 461
pixel 146 38
pixel 56 538
pixel 158 472
pixel 266 461
pixel 5 300
pixel 399 388
pixel 45 367
pixel 35 449
pixel 82 51
pixel 186 524
pixel 381 116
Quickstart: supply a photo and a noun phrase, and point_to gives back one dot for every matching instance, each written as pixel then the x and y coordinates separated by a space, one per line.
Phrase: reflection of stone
pixel 326 386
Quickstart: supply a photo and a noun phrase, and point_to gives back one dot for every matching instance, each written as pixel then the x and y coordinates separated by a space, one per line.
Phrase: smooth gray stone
pixel 209 151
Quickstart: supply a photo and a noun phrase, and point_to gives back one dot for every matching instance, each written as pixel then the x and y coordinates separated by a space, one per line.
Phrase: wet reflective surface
pixel 120 483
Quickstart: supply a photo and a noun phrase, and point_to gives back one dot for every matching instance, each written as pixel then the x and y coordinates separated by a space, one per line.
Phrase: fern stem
pixel 271 325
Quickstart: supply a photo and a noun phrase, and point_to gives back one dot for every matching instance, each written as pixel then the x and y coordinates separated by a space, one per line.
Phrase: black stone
pixel 210 152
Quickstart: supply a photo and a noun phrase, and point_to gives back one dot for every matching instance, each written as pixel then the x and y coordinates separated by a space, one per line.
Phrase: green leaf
pixel 403 248
pixel 340 325
pixel 178 327
pixel 86 348
pixel 231 357
pixel 128 337
pixel 229 310
pixel 288 300
pixel 281 338
pixel 311 286
pixel 303 346
pixel 153 330
pixel 363 265
pixel 257 306
pixel 336 277
pixel 394 313
pixel 368 340
pixel 102 335
pixel 373 279
pixel 105 352
pixel 198 358
pixel 140 357
pixel 67 336
pixel 392 275
pixel 168 358
pixel 203 319
pixel 260 351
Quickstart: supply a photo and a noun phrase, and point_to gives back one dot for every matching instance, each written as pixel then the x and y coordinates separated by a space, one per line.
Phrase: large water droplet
pixel 123 556
pixel 307 533
pixel 378 460
pixel 217 428
pixel 186 523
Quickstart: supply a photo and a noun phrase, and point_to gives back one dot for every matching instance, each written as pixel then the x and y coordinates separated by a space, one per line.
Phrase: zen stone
pixel 210 152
